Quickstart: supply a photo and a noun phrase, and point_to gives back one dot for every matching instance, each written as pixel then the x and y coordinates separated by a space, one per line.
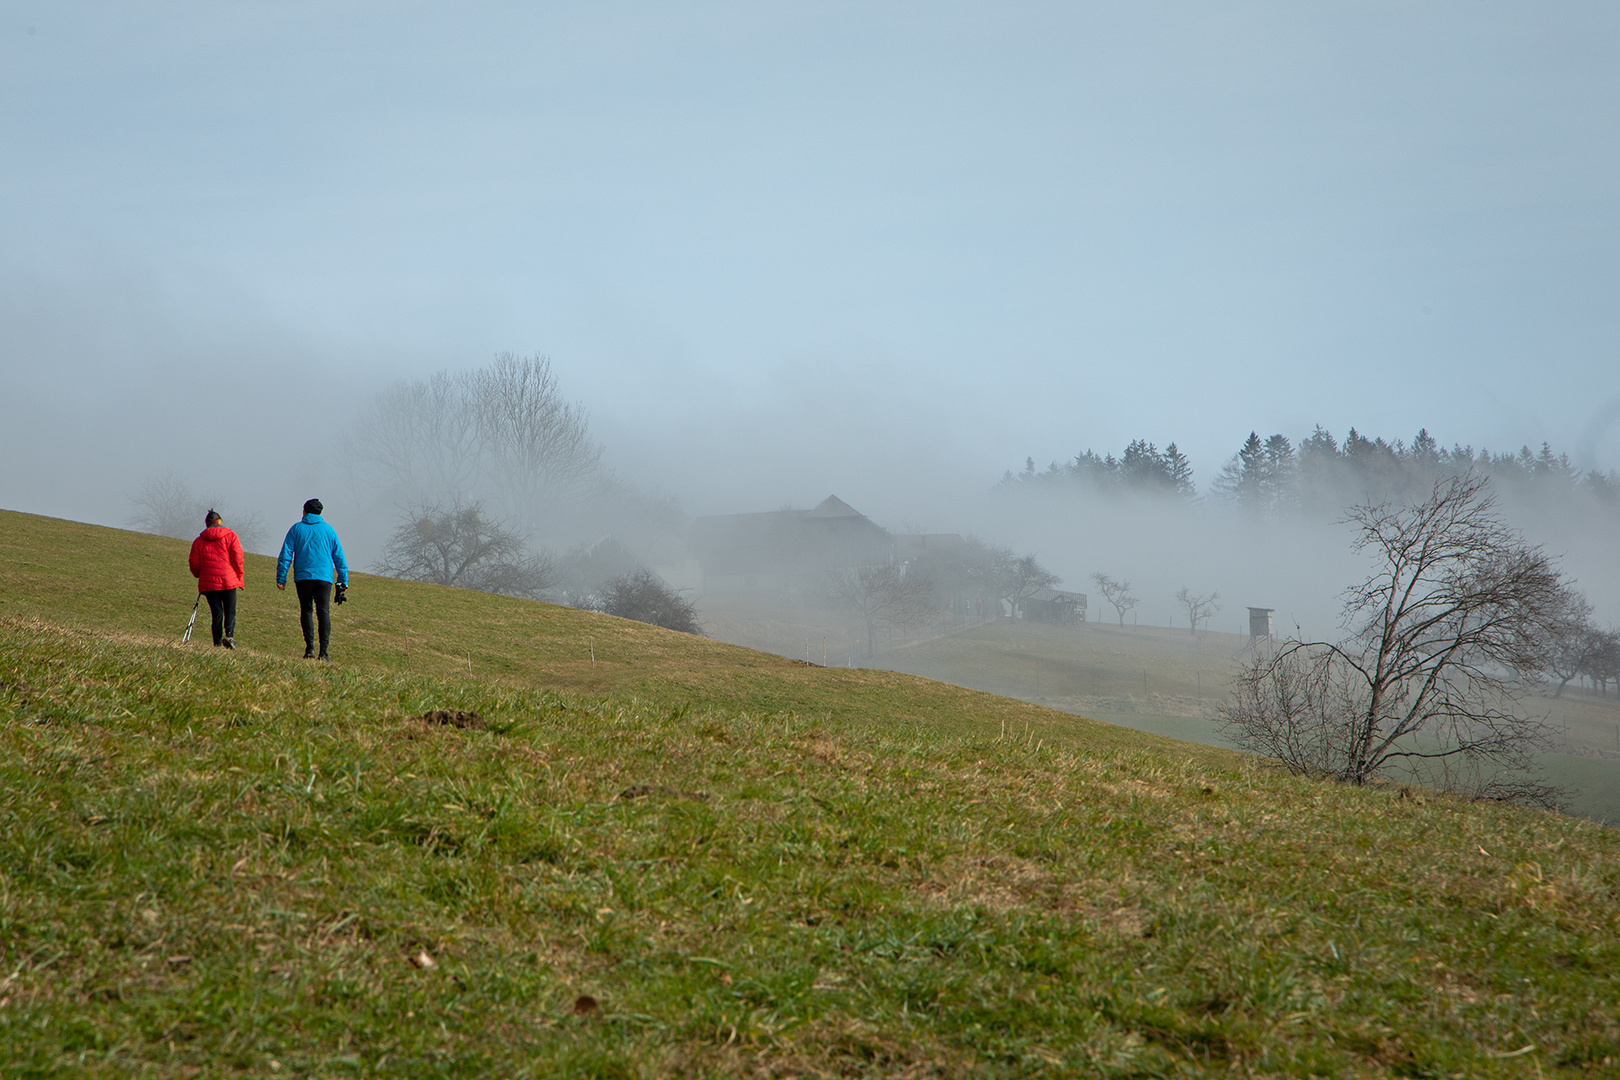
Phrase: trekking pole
pixel 193 620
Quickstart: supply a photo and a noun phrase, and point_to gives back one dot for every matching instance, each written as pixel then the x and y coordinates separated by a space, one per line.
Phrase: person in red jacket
pixel 216 563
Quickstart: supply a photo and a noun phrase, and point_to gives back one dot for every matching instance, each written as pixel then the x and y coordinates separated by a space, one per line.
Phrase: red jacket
pixel 216 559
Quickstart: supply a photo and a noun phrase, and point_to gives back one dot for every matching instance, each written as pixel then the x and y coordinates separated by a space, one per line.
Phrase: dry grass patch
pixel 998 883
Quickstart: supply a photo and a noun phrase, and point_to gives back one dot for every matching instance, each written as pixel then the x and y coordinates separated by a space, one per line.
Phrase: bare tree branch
pixel 1444 638
pixel 1117 593
pixel 882 593
pixel 422 437
pixel 504 432
pixel 538 444
pixel 166 506
pixel 1022 577
pixel 1198 607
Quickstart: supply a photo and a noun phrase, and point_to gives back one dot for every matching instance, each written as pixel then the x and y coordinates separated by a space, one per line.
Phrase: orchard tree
pixel 1117 593
pixel 1574 642
pixel 167 507
pixel 1603 660
pixel 537 444
pixel 421 437
pixel 883 592
pixel 1022 577
pixel 1199 607
pixel 985 567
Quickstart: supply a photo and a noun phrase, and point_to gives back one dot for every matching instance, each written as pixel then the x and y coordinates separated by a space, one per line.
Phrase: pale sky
pixel 780 250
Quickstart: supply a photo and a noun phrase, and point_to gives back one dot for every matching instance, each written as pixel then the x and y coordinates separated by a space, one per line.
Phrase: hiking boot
pixel 228 643
pixel 309 654
pixel 325 659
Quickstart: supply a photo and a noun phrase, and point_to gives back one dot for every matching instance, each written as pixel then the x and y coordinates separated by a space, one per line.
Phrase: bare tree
pixel 1198 607
pixel 166 506
pixel 1117 593
pixel 422 437
pixel 984 570
pixel 1448 632
pixel 538 445
pixel 1574 642
pixel 1022 577
pixel 882 593
pixel 457 545
pixel 504 431
pixel 1603 661
pixel 644 597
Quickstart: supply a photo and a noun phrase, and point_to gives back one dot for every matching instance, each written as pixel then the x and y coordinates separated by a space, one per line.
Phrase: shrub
pixel 644 597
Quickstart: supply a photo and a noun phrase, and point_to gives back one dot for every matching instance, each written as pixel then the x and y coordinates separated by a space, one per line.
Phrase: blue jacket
pixel 313 550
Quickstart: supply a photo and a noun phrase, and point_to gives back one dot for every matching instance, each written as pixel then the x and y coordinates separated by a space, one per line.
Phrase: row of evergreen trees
pixel 1269 477
pixel 1142 467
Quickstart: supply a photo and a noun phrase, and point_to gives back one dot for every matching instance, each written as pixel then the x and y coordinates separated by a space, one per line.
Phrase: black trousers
pixel 222 606
pixel 315 602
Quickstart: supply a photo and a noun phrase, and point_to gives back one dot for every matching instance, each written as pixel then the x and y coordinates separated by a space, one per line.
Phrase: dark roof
pixel 789 541
pixel 832 507
pixel 1052 595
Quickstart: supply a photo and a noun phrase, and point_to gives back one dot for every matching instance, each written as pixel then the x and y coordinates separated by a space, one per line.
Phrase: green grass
pixel 1168 682
pixel 220 863
pixel 111 580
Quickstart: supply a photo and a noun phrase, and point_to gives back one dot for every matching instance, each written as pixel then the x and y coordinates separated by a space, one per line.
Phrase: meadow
pixel 500 838
pixel 1169 682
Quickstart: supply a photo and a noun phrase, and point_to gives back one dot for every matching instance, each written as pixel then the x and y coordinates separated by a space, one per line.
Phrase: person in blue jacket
pixel 315 554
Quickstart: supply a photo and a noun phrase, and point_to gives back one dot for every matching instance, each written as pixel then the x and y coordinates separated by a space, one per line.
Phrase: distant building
pixel 1054 606
pixel 784 550
pixel 942 550
pixel 792 551
pixel 945 559
pixel 1260 622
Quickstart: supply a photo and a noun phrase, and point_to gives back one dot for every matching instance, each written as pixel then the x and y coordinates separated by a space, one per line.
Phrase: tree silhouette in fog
pixel 884 593
pixel 644 597
pixel 1443 639
pixel 459 545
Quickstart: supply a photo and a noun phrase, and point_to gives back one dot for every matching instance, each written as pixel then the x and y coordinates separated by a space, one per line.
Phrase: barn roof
pixel 834 507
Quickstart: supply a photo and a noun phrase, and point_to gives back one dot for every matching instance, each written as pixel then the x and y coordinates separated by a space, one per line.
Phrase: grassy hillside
pixel 109 579
pixel 1169 682
pixel 694 860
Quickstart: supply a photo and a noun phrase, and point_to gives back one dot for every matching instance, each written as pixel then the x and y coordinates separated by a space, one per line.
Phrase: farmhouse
pixel 786 550
pixel 946 559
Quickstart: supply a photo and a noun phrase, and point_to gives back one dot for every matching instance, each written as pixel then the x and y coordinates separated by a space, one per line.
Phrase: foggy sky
pixel 779 251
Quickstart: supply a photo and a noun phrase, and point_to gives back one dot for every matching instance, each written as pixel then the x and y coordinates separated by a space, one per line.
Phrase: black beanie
pixel 313 506
pixel 212 517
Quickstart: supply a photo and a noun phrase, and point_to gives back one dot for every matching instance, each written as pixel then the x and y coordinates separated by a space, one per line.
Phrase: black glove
pixel 340 594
